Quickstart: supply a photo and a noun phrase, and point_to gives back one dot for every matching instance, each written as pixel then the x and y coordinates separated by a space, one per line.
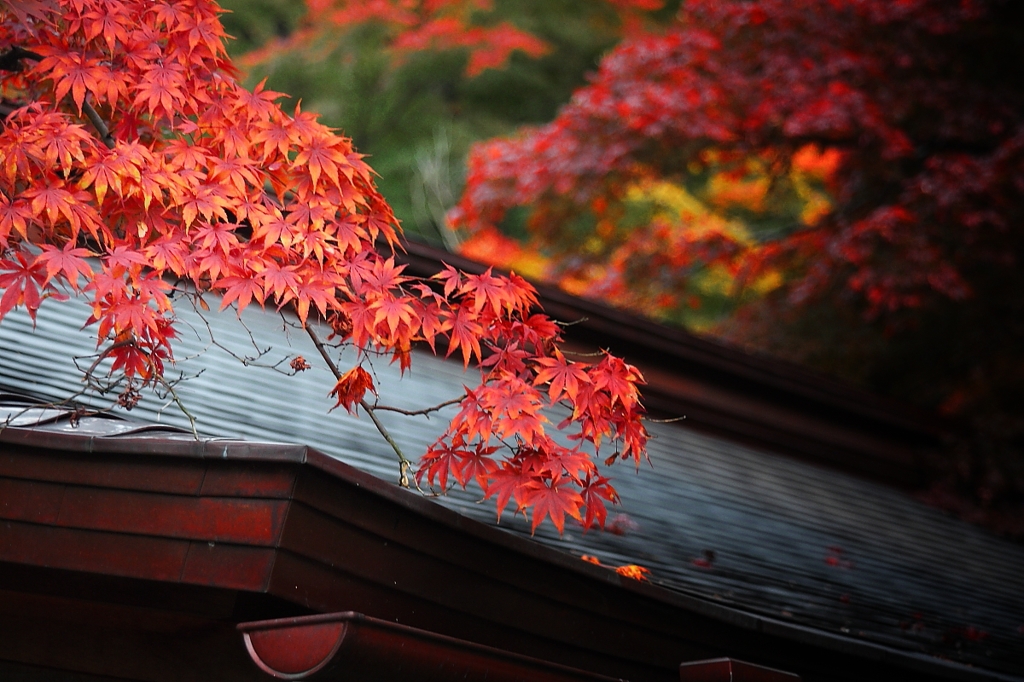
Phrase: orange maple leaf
pixel 351 388
pixel 633 571
pixel 627 571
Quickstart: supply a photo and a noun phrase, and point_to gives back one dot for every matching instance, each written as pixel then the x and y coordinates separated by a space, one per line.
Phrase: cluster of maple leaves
pixel 433 25
pixel 414 26
pixel 138 172
pixel 893 258
pixel 919 149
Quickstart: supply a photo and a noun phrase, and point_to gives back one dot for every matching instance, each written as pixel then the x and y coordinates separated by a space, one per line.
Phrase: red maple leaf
pixel 508 482
pixel 562 376
pixel 241 290
pixel 487 290
pixel 555 499
pixel 68 263
pixel 21 281
pixel 465 334
pixel 594 494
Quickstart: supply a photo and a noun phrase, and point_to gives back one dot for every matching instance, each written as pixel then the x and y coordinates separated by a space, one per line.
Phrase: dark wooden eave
pixel 762 400
pixel 286 527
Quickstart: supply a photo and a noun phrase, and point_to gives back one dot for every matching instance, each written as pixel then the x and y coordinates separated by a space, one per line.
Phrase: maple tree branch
pixel 670 420
pixel 425 411
pixel 105 353
pixel 581 354
pixel 403 463
pixel 11 61
pixel 323 351
pixel 98 124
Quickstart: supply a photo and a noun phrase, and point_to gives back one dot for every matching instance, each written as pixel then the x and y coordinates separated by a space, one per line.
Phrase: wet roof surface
pixel 745 528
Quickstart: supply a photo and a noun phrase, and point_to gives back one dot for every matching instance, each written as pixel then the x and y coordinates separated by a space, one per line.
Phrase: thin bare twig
pixel 245 360
pixel 665 421
pixel 181 406
pixel 79 410
pixel 424 412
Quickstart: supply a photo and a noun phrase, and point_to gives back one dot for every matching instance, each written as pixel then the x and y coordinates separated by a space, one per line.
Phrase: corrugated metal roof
pixel 715 519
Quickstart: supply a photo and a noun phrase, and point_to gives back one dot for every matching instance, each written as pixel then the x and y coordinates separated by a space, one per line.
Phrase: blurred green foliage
pixel 417 117
pixel 253 23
